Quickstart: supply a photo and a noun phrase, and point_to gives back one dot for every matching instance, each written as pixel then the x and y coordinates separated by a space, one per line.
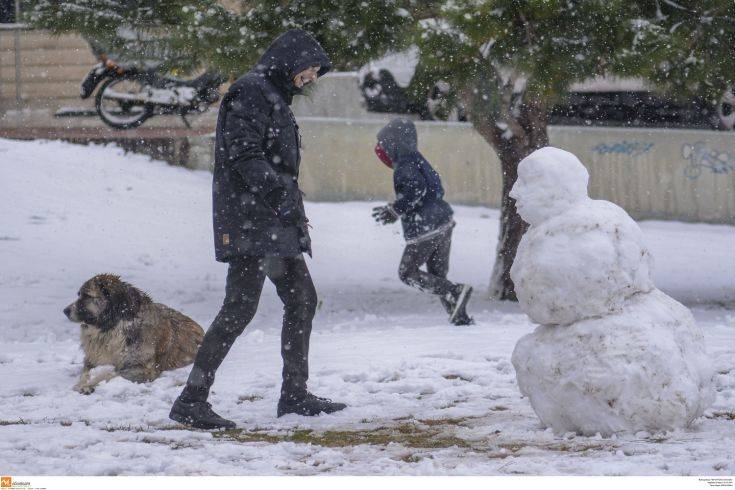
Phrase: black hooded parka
pixel 257 154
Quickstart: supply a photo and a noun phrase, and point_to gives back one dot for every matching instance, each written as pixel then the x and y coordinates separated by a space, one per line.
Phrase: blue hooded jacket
pixel 419 192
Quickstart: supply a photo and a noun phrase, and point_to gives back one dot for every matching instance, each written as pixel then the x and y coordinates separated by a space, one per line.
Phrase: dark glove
pixel 385 215
pixel 284 206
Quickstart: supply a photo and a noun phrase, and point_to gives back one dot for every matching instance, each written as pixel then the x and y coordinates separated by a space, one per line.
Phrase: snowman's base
pixel 642 369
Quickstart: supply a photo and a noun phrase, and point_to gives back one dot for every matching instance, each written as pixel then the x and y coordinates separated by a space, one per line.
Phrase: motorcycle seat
pixel 203 80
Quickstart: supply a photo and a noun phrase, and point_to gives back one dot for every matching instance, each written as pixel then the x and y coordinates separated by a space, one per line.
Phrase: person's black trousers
pixel 245 279
pixel 434 252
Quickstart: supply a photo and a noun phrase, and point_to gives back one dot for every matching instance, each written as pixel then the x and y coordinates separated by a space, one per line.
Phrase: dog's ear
pixel 123 303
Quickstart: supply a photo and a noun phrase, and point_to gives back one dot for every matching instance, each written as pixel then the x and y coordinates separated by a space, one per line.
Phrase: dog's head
pixel 104 301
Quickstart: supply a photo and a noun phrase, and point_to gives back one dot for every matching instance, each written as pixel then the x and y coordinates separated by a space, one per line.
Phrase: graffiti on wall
pixel 624 147
pixel 702 158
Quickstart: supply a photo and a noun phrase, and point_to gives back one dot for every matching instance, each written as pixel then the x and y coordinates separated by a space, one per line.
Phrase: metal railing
pixel 14 29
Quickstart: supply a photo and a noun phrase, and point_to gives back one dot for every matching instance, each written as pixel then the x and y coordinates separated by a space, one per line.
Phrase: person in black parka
pixel 425 216
pixel 260 227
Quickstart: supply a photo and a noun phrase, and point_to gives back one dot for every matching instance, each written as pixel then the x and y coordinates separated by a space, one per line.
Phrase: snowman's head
pixel 550 181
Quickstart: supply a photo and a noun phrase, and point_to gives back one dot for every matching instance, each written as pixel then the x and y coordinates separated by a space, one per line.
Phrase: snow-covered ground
pixel 425 397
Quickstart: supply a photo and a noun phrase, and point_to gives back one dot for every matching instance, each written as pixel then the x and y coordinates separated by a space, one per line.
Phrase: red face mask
pixel 383 156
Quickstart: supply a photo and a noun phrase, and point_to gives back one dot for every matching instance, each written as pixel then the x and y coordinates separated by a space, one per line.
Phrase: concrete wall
pixel 685 175
pixel 339 163
pixel 653 174
pixel 335 95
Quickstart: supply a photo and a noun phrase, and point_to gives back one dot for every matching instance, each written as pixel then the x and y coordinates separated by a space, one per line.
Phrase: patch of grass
pixel 456 376
pixel 462 421
pixel 411 458
pixel 429 434
pixel 558 446
pixel 409 435
pixel 578 447
pixel 180 445
pixel 414 434
pixel 170 443
pixel 727 415
pixel 13 422
pixel 139 428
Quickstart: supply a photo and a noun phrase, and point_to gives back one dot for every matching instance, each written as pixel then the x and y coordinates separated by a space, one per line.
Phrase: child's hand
pixel 385 215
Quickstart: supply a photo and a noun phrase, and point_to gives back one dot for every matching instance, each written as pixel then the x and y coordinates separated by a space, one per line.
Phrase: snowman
pixel 612 353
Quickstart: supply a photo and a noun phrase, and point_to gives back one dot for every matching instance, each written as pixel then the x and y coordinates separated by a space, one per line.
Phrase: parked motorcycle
pixel 130 95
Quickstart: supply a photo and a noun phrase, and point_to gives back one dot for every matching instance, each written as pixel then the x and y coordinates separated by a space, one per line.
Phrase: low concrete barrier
pixel 667 174
pixel 685 175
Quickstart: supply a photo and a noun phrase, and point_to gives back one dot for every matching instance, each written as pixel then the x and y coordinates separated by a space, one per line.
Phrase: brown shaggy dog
pixel 123 327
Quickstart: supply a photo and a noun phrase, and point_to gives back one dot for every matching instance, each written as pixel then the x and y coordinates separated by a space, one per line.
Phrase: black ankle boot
pixel 198 415
pixel 459 313
pixel 307 405
pixel 463 319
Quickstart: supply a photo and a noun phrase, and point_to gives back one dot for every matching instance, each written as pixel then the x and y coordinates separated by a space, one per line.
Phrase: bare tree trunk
pixel 512 228
pixel 512 142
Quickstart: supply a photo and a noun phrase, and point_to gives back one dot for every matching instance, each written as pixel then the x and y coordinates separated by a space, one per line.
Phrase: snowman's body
pixel 612 353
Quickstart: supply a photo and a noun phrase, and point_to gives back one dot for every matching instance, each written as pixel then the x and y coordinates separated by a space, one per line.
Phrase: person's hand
pixel 284 206
pixel 385 215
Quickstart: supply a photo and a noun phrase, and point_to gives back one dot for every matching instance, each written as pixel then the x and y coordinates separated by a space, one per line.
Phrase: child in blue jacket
pixel 425 216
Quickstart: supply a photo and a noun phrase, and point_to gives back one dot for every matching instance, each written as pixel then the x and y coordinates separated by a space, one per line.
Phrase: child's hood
pixel 398 138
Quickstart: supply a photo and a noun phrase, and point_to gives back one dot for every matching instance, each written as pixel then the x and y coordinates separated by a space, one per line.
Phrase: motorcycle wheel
pixel 116 104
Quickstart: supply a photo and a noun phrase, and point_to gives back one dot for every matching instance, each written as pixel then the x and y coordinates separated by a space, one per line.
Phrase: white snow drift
pixel 385 349
pixel 612 353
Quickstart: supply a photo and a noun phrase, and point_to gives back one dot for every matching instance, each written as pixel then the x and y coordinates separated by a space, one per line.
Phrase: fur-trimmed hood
pixel 289 54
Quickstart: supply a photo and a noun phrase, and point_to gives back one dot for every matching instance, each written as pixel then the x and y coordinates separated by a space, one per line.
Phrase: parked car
pixel 397 83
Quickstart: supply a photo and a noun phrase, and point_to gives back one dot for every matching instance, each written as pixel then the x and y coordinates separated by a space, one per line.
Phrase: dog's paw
pixel 84 389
